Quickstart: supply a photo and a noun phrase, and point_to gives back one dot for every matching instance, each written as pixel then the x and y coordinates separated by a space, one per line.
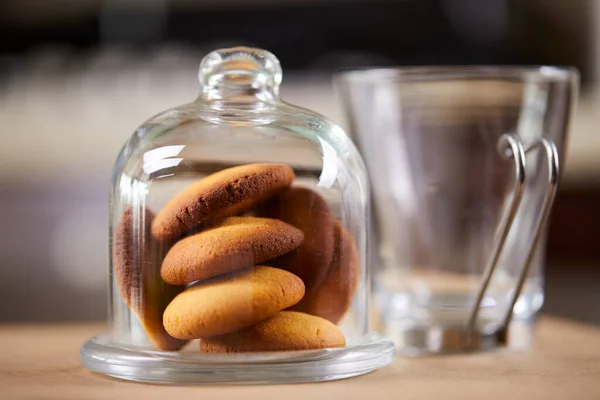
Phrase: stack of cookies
pixel 241 260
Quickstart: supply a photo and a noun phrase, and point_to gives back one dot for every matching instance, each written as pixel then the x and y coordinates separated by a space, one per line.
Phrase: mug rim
pixel 538 73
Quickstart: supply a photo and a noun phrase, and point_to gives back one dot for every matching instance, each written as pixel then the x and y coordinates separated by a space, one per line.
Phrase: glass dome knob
pixel 240 71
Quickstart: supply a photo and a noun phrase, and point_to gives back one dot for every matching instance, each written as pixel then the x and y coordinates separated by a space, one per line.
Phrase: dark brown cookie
pixel 309 212
pixel 235 243
pixel 333 296
pixel 219 195
pixel 231 302
pixel 287 330
pixel 136 260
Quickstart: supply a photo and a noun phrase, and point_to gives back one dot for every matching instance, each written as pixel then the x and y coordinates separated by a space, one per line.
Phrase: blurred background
pixel 78 76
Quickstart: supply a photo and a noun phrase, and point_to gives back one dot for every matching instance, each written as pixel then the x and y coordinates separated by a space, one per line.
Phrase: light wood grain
pixel 42 362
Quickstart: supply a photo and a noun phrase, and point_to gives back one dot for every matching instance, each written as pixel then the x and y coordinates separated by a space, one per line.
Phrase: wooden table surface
pixel 42 362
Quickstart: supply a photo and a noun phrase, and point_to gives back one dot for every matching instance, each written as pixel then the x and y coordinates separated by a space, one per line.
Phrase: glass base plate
pixel 98 355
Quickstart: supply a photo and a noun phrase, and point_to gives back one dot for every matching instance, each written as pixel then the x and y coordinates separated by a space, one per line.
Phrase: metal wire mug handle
pixel 510 145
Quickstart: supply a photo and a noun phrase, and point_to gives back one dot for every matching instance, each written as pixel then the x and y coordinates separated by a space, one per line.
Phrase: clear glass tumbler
pixel 464 163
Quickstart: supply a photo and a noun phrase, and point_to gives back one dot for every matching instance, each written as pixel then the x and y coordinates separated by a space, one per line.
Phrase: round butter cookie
pixel 287 330
pixel 136 266
pixel 219 195
pixel 309 212
pixel 231 302
pixel 235 243
pixel 332 297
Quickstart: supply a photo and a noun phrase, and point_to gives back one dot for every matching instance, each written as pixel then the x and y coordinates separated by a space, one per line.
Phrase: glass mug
pixel 464 165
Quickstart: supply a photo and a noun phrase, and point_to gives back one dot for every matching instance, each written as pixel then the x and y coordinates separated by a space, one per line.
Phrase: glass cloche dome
pixel 238 239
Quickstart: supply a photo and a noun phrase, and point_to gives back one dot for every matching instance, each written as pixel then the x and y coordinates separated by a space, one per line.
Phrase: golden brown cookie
pixel 231 302
pixel 309 212
pixel 235 243
pixel 287 330
pixel 219 195
pixel 136 260
pixel 332 297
